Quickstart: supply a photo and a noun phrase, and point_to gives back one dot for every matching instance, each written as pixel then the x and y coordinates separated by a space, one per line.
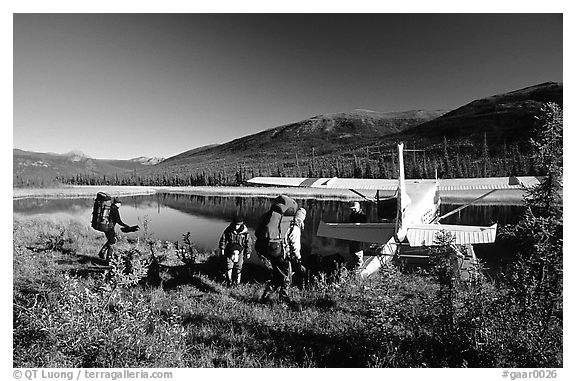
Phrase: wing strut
pixel 361 195
pixel 466 205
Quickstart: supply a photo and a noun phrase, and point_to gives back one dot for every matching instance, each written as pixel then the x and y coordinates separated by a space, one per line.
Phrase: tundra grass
pixel 64 317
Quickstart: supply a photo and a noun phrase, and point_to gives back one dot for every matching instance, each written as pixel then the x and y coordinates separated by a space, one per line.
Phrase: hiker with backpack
pixel 105 216
pixel 271 245
pixel 235 245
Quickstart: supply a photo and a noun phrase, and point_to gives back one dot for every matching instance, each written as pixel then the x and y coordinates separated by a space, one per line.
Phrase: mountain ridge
pixel 317 141
pixel 45 168
pixel 506 116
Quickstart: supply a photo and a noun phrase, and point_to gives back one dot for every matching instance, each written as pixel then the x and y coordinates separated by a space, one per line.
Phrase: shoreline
pixel 508 197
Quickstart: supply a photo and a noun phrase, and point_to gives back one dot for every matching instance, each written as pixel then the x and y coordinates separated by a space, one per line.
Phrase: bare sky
pixel 121 86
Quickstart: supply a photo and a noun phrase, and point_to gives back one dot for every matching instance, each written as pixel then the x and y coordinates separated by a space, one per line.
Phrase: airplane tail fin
pixel 402 178
pixel 404 198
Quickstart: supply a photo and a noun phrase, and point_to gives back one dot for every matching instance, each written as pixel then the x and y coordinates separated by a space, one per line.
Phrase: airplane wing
pixel 486 183
pixel 328 182
pixel 370 232
pixel 424 234
pixel 489 183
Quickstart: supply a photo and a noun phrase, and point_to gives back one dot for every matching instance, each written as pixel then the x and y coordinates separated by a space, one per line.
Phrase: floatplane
pixel 410 219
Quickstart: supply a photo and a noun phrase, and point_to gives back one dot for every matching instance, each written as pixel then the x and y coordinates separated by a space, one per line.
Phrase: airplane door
pixel 387 207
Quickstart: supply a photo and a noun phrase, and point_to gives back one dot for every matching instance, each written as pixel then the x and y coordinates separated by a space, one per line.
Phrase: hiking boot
pixel 229 278
pixel 296 306
pixel 284 299
pixel 265 295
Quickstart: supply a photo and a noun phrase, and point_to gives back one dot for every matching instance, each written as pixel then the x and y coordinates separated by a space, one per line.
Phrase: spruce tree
pixel 485 157
pixel 546 198
pixel 447 164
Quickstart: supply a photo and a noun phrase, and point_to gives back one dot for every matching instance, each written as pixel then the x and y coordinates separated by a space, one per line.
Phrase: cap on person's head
pixel 237 220
pixel 354 205
pixel 116 200
pixel 300 214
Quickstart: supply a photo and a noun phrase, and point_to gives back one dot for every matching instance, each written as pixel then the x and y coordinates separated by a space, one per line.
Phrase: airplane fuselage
pixel 422 207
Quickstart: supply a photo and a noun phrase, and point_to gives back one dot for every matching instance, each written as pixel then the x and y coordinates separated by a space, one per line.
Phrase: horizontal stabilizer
pixel 425 234
pixel 370 232
pixel 328 182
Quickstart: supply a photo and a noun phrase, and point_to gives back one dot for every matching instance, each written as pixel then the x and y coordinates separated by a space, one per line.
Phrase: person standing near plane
pixel 356 249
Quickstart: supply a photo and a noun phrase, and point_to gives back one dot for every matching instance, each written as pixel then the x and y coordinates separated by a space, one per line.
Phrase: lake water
pixel 170 216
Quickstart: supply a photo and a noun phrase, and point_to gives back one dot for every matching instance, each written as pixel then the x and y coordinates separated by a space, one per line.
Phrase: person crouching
pixel 235 246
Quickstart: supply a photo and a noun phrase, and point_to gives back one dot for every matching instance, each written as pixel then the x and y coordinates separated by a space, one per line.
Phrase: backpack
pixel 269 241
pixel 288 205
pixel 101 212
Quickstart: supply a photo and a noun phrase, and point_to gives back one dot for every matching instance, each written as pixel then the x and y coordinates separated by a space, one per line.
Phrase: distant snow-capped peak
pixel 75 155
pixel 147 160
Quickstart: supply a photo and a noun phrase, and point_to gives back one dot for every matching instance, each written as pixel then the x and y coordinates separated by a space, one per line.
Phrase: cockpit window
pixel 387 207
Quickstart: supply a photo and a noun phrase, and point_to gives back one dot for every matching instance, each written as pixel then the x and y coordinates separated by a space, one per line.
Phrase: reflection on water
pixel 205 217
